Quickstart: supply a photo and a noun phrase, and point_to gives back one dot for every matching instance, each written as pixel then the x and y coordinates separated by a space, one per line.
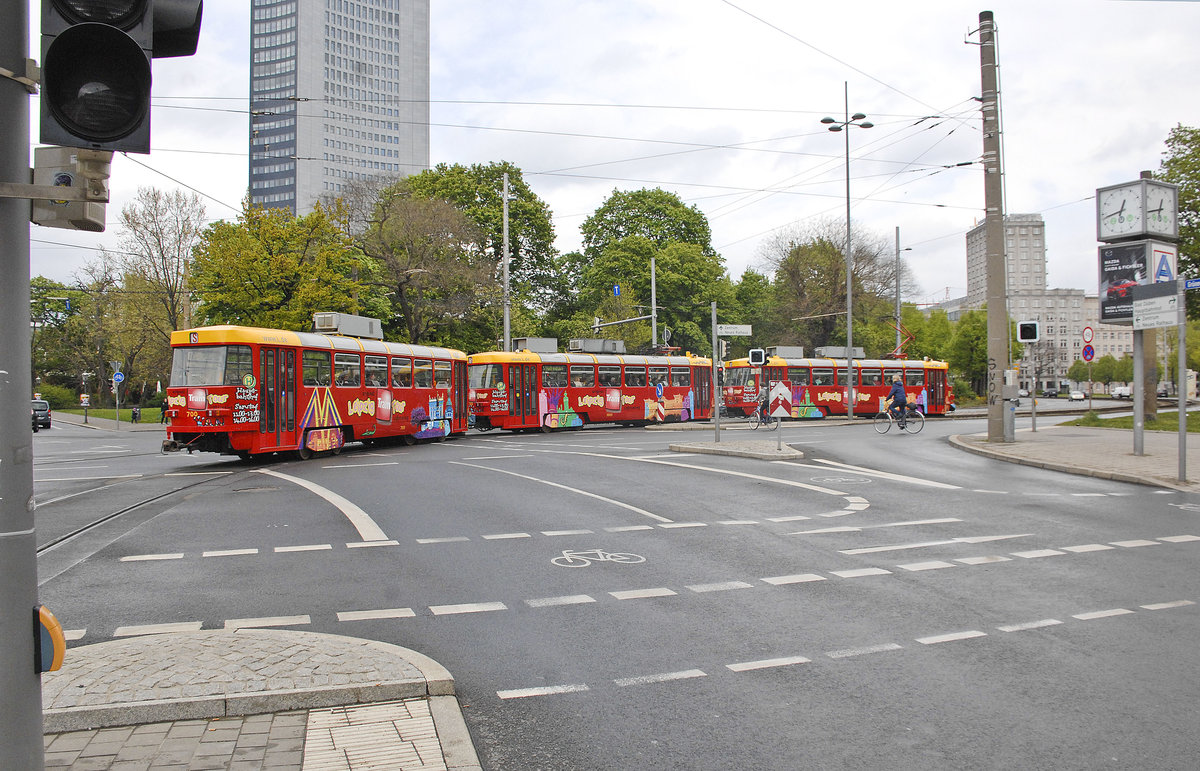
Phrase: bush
pixel 60 397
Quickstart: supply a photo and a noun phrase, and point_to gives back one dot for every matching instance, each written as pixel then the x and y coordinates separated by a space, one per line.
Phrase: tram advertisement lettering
pixel 176 401
pixel 830 396
pixel 245 413
pixel 499 405
pixel 612 399
pixel 361 407
pixel 246 395
pixel 384 405
pixel 218 398
pixel 590 401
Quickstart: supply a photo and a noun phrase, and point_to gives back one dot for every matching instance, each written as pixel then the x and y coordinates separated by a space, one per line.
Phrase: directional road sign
pixel 733 330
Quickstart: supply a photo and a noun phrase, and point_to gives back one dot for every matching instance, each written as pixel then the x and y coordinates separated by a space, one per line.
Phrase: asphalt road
pixel 886 602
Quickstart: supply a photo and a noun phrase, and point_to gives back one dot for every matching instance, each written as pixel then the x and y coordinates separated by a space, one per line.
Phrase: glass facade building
pixel 339 92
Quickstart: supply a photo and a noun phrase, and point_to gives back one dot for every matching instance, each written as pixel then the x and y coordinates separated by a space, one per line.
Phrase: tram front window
pixel 211 365
pixel 483 376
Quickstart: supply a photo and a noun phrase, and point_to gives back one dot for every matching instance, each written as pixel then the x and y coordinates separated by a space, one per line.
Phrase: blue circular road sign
pixel 1088 352
pixel 118 377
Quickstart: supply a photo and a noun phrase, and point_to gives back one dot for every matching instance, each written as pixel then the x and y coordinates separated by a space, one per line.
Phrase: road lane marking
pixel 785 661
pixel 551 602
pixel 1037 553
pixel 575 490
pixel 660 678
pixel 1166 605
pixel 889 475
pixel 309 547
pixel 74 634
pixel 1029 625
pixel 373 615
pixel 362 522
pixel 723 586
pixel 951 637
pixel 861 572
pixel 234 624
pixel 361 465
pixel 1102 614
pixel 504 536
pixel 450 539
pixel 799 578
pixel 90 479
pixel 229 553
pixel 554 533
pixel 983 560
pixel 467 607
pixel 1087 547
pixel 1135 544
pixel 549 690
pixel 675 525
pixel 152 557
pixel 641 594
pixel 919 566
pixel 1180 538
pixel 851 652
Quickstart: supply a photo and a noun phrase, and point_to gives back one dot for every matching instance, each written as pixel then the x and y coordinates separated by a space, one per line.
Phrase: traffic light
pixel 724 349
pixel 1028 332
pixel 96 67
pixel 758 357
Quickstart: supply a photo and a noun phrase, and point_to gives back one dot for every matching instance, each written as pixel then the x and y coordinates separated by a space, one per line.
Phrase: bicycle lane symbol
pixel 571 558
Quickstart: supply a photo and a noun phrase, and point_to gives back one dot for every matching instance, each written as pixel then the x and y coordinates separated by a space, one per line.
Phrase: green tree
pixel 272 269
pixel 656 215
pixel 1079 371
pixel 1104 368
pixel 967 353
pixel 1181 166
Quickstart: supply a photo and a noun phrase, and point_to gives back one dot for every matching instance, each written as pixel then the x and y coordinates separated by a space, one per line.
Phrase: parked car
pixel 1121 392
pixel 41 411
pixel 1023 393
pixel 35 423
pixel 1162 392
pixel 1050 393
pixel 1077 396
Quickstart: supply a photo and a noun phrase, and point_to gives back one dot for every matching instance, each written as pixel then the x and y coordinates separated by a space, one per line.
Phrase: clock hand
pixel 1118 212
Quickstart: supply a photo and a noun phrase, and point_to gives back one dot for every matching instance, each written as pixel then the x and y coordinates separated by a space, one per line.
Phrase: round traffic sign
pixel 1087 334
pixel 1088 352
pixel 118 377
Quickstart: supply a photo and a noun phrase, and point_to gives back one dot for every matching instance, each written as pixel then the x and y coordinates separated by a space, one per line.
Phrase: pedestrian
pixel 136 414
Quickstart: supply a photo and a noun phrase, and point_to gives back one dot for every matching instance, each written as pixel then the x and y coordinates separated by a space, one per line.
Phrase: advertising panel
pixel 1122 267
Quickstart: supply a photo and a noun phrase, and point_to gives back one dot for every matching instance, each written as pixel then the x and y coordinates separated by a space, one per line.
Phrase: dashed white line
pixel 549 690
pixel 951 637
pixel 1134 544
pixel 983 560
pixel 851 652
pixel 1166 605
pixel 146 629
pixel 554 533
pixel 861 572
pixel 550 602
pixel 467 607
pixel 792 518
pixel 1029 625
pixel 449 539
pixel 1037 553
pixel 1102 614
pixel 369 544
pixel 1180 538
pixel 375 615
pixel 676 525
pixel 798 578
pixel 738 522
pixel 1082 548
pixel 229 553
pixel 255 623
pixel 503 536
pixel 641 594
pixel 152 557
pixel 932 565
pixel 720 587
pixel 660 678
pixel 785 661
pixel 627 528
pixel 308 547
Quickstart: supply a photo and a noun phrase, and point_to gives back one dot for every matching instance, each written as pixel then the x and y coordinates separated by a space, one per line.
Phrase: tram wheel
pixel 547 430
pixel 304 452
pixel 409 439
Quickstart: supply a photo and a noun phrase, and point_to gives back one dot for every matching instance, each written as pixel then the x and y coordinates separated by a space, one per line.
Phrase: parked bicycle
pixel 911 420
pixel 761 417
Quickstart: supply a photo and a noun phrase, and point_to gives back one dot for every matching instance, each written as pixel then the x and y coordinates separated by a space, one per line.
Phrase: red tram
pixel 246 391
pixel 522 390
pixel 819 386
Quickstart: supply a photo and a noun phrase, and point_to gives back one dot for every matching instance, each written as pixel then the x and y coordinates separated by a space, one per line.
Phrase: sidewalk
pixel 252 698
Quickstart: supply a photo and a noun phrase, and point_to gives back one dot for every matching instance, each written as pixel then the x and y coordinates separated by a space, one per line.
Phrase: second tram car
pixel 247 391
pixel 523 389
pixel 819 386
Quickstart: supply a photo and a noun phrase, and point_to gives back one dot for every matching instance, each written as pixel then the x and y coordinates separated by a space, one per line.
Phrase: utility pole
pixel 993 196
pixel 507 312
pixel 20 685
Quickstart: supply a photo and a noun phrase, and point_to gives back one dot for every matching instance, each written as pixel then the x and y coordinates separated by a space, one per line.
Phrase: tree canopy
pixel 656 215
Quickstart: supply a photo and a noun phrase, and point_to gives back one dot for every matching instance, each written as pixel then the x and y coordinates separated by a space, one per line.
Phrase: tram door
pixel 277 397
pixel 703 385
pixel 522 404
pixel 459 421
pixel 936 382
pixel 770 375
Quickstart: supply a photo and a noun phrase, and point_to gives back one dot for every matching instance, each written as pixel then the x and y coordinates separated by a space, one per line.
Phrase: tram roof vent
pixel 595 345
pixel 838 352
pixel 536 344
pixel 786 351
pixel 332 323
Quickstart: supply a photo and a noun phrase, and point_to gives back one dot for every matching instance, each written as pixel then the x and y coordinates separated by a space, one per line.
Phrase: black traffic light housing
pixel 757 357
pixel 96 67
pixel 1028 332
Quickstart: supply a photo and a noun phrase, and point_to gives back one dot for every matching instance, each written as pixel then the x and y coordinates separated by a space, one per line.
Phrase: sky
pixel 720 101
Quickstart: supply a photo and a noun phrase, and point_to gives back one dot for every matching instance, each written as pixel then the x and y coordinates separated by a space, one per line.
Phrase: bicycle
pixel 911 421
pixel 760 417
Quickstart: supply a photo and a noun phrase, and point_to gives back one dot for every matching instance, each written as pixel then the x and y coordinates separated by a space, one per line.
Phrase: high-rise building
pixel 1025 258
pixel 339 92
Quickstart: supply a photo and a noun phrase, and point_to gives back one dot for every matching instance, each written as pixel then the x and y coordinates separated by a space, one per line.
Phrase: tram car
pixel 529 390
pixel 248 391
pixel 819 386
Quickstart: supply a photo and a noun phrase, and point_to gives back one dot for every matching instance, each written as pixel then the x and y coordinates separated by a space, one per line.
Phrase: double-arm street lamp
pixel 857 119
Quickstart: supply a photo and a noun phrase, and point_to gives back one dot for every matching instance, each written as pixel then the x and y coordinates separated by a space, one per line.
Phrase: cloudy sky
pixel 719 101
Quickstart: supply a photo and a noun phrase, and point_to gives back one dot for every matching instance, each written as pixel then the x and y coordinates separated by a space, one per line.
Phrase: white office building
pixel 339 91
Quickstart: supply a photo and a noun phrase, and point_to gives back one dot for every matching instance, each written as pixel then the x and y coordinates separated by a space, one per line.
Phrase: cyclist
pixel 897 399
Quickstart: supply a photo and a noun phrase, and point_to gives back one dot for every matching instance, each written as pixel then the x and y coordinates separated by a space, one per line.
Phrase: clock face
pixel 1119 212
pixel 1161 210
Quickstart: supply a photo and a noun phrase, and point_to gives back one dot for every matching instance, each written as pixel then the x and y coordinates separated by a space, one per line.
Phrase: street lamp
pixel 898 250
pixel 858 119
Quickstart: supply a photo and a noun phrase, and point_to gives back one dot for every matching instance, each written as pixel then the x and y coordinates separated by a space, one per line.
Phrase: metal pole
pixel 1139 397
pixel 716 387
pixel 898 291
pixel 849 273
pixel 20 686
pixel 1181 377
pixel 653 308
pixel 507 312
pixel 993 194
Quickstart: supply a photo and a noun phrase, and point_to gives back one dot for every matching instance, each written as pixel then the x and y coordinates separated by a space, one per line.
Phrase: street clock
pixel 1137 209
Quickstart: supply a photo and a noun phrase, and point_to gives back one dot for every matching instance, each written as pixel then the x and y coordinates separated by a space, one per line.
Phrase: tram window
pixel 198 366
pixel 441 374
pixel 346 368
pixel 554 376
pixel 315 365
pixel 681 376
pixel 239 362
pixel 377 376
pixel 798 376
pixel 486 376
pixel 843 377
pixel 610 377
pixel 583 375
pixel 822 377
pixel 423 373
pixel 658 375
pixel 635 377
pixel 871 377
pixel 888 374
pixel 737 376
pixel 401 372
pixel 914 377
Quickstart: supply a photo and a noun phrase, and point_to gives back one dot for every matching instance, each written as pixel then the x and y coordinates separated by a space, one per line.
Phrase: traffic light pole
pixel 20 684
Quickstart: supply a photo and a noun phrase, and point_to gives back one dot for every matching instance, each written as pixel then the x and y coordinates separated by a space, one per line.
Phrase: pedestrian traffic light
pixel 758 357
pixel 96 67
pixel 1028 332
